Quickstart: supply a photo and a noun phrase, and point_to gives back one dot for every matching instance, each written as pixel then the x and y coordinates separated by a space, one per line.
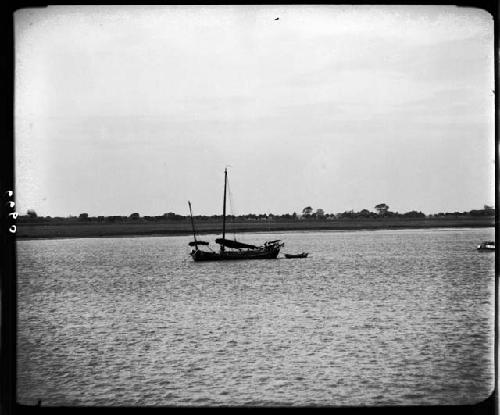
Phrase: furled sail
pixel 233 244
pixel 194 243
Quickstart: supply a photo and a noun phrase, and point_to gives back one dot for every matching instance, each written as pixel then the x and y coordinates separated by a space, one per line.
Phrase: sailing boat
pixel 235 249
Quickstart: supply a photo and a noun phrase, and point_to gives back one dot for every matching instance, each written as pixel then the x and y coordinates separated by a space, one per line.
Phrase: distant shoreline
pixel 142 229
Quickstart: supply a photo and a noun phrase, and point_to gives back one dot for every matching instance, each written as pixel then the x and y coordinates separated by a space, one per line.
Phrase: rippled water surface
pixel 370 318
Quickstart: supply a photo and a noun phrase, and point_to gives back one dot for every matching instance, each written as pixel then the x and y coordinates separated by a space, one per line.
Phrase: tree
pixel 489 210
pixel 31 213
pixel 307 211
pixel 414 214
pixel 134 216
pixel 320 213
pixel 347 214
pixel 365 213
pixel 84 216
pixel 382 209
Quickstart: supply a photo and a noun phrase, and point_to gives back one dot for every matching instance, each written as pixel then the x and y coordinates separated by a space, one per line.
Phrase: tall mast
pixel 224 210
pixel 192 224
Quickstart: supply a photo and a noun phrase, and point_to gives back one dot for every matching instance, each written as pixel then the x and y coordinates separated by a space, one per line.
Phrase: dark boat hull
pixel 199 255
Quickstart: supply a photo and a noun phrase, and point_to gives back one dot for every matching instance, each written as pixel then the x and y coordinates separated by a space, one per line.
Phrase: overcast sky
pixel 139 109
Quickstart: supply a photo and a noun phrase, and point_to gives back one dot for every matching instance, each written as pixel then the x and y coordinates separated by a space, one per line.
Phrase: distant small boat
pixel 486 246
pixel 302 255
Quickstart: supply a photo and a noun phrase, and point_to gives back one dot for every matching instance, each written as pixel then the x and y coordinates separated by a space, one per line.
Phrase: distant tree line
pixel 381 211
pixel 31 216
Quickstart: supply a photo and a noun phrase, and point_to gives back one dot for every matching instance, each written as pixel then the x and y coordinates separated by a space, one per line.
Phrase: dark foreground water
pixel 398 317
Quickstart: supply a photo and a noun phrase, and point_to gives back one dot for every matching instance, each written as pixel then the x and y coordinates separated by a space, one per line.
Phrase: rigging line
pixel 192 221
pixel 231 208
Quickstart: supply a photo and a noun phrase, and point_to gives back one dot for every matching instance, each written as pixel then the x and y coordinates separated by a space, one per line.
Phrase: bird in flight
pixel 277 18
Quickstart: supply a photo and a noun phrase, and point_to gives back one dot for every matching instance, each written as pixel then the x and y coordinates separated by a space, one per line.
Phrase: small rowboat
pixel 302 255
pixel 486 246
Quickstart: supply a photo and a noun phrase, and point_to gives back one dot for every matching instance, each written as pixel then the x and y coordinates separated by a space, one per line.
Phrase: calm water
pixel 370 318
